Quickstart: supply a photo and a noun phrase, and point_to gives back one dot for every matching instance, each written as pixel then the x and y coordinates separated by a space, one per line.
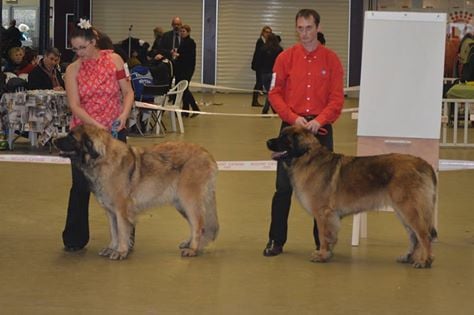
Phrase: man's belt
pixel 310 117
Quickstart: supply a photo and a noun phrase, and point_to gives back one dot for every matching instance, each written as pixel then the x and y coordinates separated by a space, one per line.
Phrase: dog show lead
pixel 98 92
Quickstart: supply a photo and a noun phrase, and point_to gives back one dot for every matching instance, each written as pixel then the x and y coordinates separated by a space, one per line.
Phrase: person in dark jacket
pixel 185 63
pixel 46 75
pixel 266 57
pixel 13 36
pixel 169 43
pixel 158 35
pixel 266 30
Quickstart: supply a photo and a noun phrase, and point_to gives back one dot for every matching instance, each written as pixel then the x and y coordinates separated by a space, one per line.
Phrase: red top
pixel 307 84
pixel 26 69
pixel 99 90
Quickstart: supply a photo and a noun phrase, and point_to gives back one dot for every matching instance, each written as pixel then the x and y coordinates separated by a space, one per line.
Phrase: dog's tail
pixel 433 234
pixel 433 189
pixel 211 222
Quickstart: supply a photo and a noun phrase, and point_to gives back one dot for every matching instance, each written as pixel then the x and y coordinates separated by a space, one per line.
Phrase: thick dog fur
pixel 127 180
pixel 330 186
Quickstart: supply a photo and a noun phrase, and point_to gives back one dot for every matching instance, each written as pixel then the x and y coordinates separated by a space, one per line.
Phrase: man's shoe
pixel 272 249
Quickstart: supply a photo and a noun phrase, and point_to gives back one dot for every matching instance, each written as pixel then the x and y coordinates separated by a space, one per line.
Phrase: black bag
pixel 16 85
pixel 162 72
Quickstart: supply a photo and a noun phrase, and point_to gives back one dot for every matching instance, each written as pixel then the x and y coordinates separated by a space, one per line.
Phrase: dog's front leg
pixel 328 225
pixel 124 233
pixel 112 247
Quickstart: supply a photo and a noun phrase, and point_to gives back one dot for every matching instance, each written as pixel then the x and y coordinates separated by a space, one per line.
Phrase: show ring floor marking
pixel 264 165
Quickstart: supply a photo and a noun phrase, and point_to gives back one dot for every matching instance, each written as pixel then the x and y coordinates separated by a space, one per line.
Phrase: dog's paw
pixel 184 244
pixel 320 257
pixel 106 251
pixel 188 252
pixel 423 264
pixel 405 259
pixel 113 254
pixel 116 255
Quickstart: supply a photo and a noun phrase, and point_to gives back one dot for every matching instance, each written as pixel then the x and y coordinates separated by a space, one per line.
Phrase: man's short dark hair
pixel 307 13
pixel 52 51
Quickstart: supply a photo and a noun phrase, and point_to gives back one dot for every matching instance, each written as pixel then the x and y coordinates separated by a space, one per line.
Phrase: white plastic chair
pixel 176 104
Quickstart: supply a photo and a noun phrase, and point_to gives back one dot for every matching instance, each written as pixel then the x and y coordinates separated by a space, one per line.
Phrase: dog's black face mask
pixel 286 146
pixel 79 151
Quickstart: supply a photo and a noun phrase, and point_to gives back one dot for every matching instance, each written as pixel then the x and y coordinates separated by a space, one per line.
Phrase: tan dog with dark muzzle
pixel 331 186
pixel 127 180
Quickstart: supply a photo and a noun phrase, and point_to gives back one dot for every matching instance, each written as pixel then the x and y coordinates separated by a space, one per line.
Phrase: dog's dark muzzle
pixel 275 146
pixel 66 145
pixel 272 144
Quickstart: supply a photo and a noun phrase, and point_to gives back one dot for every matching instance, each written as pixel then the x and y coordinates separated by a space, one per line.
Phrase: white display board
pixel 402 74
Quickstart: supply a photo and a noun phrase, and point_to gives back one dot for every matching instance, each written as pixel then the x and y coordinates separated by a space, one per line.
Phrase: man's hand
pixel 300 121
pixel 312 125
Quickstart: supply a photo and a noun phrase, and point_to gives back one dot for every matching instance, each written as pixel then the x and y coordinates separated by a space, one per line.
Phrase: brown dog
pixel 127 180
pixel 331 186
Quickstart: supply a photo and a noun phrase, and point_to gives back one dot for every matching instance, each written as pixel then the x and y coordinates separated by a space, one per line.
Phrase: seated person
pixel 15 60
pixel 21 61
pixel 46 75
pixel 30 61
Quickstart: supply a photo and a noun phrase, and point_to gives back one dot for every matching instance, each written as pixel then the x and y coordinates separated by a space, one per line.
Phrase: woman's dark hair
pixel 187 27
pixel 272 41
pixel 88 33
pixel 30 54
pixel 307 13
pixel 102 40
pixel 321 38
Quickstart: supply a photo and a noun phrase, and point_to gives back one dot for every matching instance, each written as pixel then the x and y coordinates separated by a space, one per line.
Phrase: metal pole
pixel 130 41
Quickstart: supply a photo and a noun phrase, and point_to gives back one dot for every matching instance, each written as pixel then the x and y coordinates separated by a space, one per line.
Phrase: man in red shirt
pixel 307 90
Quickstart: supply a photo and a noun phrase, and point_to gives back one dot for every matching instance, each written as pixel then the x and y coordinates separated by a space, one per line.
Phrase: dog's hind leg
pixel 193 214
pixel 422 256
pixel 408 257
pixel 208 216
pixel 421 247
pixel 186 243
pixel 195 224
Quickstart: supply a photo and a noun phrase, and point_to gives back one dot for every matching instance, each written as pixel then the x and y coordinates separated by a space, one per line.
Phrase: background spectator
pixel 266 57
pixel 47 75
pixel 256 66
pixel 185 60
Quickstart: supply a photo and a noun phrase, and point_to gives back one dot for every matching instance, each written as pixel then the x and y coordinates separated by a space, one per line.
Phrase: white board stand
pixel 401 89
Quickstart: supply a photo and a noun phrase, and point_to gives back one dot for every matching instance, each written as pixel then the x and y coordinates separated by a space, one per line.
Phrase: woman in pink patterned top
pixel 98 92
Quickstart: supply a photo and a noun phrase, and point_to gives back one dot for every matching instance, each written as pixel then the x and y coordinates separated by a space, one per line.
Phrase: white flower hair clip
pixel 84 24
